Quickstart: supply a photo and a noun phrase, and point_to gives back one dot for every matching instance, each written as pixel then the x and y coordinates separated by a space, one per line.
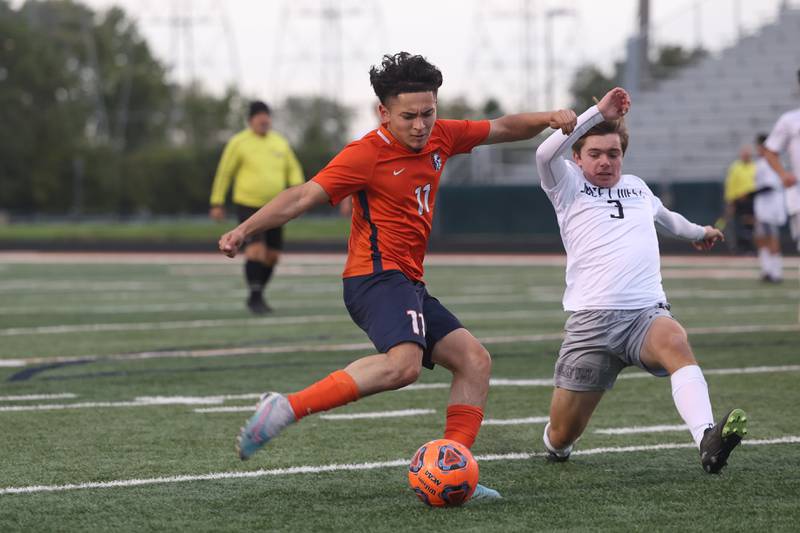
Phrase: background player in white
pixel 619 312
pixel 770 211
pixel 785 135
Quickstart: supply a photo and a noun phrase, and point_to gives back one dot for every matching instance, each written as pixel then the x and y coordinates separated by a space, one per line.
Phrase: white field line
pixel 641 429
pixel 351 467
pixel 234 322
pixel 298 258
pixel 234 269
pixel 732 294
pixel 174 400
pixel 548 382
pixel 537 295
pixel 515 421
pixel 229 409
pixel 275 321
pixel 237 305
pixel 533 296
pixel 378 414
pixel 359 346
pixel 353 416
pixel 386 414
pixel 13 363
pixel 37 286
pixel 150 401
pixel 32 397
pixel 706 273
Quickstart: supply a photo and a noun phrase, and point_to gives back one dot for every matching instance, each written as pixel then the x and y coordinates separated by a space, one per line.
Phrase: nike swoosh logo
pixel 398 172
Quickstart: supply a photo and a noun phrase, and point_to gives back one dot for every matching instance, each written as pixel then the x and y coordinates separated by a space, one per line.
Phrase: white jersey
pixel 613 259
pixel 769 206
pixel 786 136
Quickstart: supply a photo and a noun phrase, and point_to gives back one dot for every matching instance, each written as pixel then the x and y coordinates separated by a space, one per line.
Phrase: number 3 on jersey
pixel 620 212
pixel 422 198
pixel 417 322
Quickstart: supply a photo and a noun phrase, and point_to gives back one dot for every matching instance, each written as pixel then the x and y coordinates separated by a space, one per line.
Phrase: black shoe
pixel 553 458
pixel 257 305
pixel 719 441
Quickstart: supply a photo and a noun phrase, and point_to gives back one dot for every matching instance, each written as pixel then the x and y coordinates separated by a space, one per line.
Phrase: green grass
pixel 302 229
pixel 633 491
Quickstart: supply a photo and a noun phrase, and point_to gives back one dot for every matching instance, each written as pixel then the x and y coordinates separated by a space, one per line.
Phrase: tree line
pixel 90 122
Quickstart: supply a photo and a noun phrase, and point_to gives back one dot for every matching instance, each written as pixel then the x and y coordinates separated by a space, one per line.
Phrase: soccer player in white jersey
pixel 619 312
pixel 770 212
pixel 785 135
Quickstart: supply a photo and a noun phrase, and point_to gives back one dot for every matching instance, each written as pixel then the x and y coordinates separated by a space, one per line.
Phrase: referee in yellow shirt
pixel 261 164
pixel 740 183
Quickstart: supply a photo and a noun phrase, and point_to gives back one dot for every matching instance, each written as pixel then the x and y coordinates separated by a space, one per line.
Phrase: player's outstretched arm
pixel 677 226
pixel 523 126
pixel 289 204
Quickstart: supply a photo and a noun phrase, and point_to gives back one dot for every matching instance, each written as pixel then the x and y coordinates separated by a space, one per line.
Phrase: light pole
pixel 549 85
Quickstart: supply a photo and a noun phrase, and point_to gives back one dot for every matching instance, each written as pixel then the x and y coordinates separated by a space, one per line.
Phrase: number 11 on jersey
pixel 423 207
pixel 417 322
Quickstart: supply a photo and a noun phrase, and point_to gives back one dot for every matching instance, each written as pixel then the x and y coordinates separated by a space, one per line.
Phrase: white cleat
pixel 273 414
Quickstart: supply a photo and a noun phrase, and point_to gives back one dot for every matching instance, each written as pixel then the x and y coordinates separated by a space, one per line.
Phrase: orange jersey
pixel 394 193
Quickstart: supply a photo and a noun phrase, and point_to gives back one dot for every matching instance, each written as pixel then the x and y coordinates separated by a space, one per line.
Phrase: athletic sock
pixel 776 261
pixel 254 273
pixel 764 261
pixel 559 452
pixel 337 389
pixel 463 423
pixel 690 394
pixel 266 272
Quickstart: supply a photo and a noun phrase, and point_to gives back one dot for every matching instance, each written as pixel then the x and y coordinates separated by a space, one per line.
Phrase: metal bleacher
pixel 689 128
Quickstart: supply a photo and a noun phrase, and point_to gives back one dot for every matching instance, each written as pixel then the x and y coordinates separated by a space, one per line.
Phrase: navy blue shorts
pixel 392 309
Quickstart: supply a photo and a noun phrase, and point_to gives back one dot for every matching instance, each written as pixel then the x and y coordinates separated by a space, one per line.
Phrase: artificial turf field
pixel 121 375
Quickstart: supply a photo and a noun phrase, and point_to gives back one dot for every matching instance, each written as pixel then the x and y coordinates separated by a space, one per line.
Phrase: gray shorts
pixel 599 344
pixel 764 229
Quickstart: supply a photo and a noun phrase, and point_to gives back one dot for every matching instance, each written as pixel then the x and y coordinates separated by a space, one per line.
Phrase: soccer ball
pixel 443 473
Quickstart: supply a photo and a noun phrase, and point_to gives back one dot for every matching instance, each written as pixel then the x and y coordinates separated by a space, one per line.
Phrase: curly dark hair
pixel 404 73
pixel 603 128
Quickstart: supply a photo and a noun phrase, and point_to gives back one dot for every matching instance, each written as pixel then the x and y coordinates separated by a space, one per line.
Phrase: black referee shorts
pixel 272 238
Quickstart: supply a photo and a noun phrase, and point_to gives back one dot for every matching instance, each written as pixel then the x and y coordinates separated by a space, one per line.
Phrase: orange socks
pixel 338 388
pixel 335 390
pixel 463 423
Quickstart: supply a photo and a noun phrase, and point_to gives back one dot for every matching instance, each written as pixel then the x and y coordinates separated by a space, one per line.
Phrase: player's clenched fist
pixel 711 236
pixel 230 243
pixel 564 120
pixel 615 104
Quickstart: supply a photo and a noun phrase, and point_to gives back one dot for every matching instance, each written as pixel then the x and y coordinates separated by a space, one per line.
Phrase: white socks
pixel 771 264
pixel 764 262
pixel 563 452
pixel 777 266
pixel 690 393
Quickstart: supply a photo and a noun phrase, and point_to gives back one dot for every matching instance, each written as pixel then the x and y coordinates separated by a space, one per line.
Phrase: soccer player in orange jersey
pixel 392 174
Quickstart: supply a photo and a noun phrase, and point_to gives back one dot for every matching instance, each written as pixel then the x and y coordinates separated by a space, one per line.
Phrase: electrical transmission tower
pixel 501 67
pixel 350 36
